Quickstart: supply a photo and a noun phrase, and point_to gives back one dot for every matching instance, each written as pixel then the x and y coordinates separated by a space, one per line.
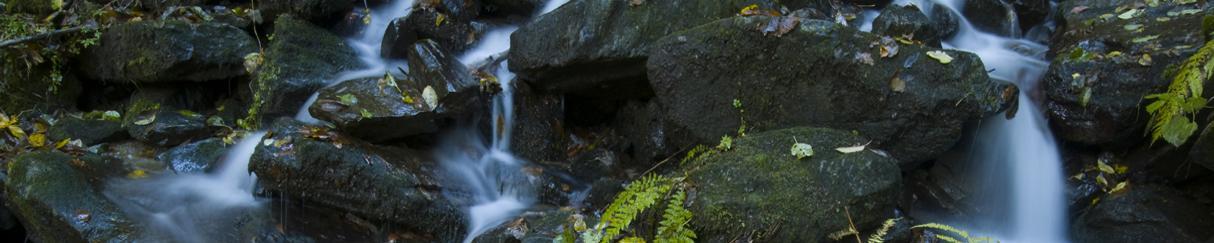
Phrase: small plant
pixel 962 236
pixel 1171 111
pixel 642 194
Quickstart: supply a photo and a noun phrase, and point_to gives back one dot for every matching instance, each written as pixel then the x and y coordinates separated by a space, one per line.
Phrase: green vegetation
pixel 642 194
pixel 1172 111
pixel 961 235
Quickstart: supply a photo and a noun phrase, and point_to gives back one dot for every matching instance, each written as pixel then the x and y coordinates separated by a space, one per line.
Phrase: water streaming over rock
pixel 193 207
pixel 1021 151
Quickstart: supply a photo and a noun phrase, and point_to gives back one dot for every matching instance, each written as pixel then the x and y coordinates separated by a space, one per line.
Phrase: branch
pixel 39 36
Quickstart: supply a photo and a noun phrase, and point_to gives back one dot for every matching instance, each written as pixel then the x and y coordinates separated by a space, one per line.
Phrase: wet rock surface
pixel 166 51
pixel 302 59
pixel 56 202
pixel 758 186
pixel 910 105
pixel 1143 213
pixel 1101 71
pixel 374 182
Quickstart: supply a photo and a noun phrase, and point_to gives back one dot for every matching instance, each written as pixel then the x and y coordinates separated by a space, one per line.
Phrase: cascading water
pixel 193 207
pixel 1022 146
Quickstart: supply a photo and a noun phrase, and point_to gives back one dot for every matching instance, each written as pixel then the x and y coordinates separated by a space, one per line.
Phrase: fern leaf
pixel 1171 110
pixel 673 227
pixel 635 198
pixel 879 236
pixel 633 239
pixel 838 235
pixel 948 239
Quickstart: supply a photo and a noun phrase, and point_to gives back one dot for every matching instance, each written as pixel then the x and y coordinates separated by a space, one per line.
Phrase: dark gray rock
pixel 57 203
pixel 599 47
pixel 899 21
pixel 152 123
pixel 910 105
pixel 507 8
pixel 195 157
pixel 317 11
pixel 1144 213
pixel 302 59
pixel 376 183
pixel 758 185
pixel 454 34
pixel 1097 56
pixel 166 51
pixel 90 131
pixel 994 16
pixel 379 109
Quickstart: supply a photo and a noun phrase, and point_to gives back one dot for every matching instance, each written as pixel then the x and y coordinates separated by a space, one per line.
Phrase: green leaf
pixel 1178 130
pixel 941 56
pixel 365 113
pixel 802 150
pixel 348 99
pixel 111 116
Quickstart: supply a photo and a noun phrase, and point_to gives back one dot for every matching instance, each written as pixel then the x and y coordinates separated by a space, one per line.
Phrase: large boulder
pixel 195 157
pixel 316 11
pixel 588 46
pixel 713 78
pixel 384 184
pixel 759 186
pixel 380 109
pixel 1101 71
pixel 1202 151
pixel 451 33
pixel 508 8
pixel 89 130
pixel 166 51
pixel 907 21
pixel 302 59
pixel 1146 213
pixel 56 202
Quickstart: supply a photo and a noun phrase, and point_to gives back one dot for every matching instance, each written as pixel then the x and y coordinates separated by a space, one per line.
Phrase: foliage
pixel 51 54
pixel 673 227
pixel 879 235
pixel 635 198
pixel 1171 111
pixel 964 235
pixel 642 194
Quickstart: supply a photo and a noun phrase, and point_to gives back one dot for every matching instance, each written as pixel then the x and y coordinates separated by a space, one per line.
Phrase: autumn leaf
pixel 37 140
pixel 801 150
pixel 941 56
pixel 430 97
pixel 852 149
pixel 137 174
pixel 1105 168
pixel 1119 187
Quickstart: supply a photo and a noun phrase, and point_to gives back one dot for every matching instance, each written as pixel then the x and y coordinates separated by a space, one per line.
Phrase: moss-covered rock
pixel 1101 71
pixel 598 47
pixel 166 51
pixel 759 191
pixel 195 157
pixel 376 183
pixel 818 74
pixel 90 131
pixel 57 203
pixel 300 60
pixel 38 7
pixel 39 87
pixel 1144 213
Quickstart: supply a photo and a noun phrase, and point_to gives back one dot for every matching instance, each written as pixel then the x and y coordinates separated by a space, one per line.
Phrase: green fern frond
pixel 838 235
pixel 1171 110
pixel 950 229
pixel 633 239
pixel 673 227
pixel 879 236
pixel 635 198
pixel 948 239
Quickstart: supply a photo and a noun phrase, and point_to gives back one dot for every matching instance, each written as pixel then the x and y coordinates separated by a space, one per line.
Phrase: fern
pixel 635 198
pixel 950 229
pixel 879 236
pixel 1171 110
pixel 673 227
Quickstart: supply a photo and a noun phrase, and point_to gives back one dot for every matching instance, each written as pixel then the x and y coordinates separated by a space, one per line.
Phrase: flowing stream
pixel 1022 149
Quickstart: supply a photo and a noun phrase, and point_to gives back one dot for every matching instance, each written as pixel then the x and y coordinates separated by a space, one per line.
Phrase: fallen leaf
pixel 37 140
pixel 897 84
pixel 852 149
pixel 146 120
pixel 749 10
pixel 62 143
pixel 1078 9
pixel 1128 14
pixel 1105 168
pixel 1101 181
pixel 801 150
pixel 430 97
pixel 1120 186
pixel 111 116
pixel 1145 60
pixel 941 56
pixel 1145 38
pixel 635 3
pixel 137 174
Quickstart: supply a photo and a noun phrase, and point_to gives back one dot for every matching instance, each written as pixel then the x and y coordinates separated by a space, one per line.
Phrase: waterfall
pixel 193 207
pixel 1021 149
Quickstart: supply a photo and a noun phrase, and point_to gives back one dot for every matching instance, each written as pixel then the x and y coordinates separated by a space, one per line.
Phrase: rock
pixel 317 11
pixel 377 183
pixel 196 157
pixel 149 122
pixel 302 59
pixel 508 8
pixel 643 129
pixel 900 21
pixel 599 47
pixel 1202 152
pixel 997 16
pixel 90 131
pixel 57 203
pixel 539 131
pixel 1144 213
pixel 36 7
pixel 910 105
pixel 759 185
pixel 380 109
pixel 1101 58
pixel 451 33
pixel 28 88
pixel 167 51
pixel 944 21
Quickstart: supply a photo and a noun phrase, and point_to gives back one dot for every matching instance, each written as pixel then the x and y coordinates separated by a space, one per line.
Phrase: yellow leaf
pixel 439 21
pixel 748 9
pixel 1119 187
pixel 1121 169
pixel 941 56
pixel 1105 167
pixel 1101 181
pixel 37 140
pixel 1077 177
pixel 62 143
pixel 16 132
pixel 430 97
pixel 137 174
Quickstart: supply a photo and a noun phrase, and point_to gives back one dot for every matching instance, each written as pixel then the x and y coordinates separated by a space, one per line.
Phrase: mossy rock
pixel 89 131
pixel 168 51
pixel 57 203
pixel 759 191
pixel 34 88
pixel 38 7
pixel 300 60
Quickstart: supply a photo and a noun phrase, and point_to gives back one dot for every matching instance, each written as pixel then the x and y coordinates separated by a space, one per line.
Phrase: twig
pixel 852 224
pixel 40 36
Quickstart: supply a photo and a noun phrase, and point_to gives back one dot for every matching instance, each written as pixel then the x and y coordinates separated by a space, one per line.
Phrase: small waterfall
pixel 1021 149
pixel 193 207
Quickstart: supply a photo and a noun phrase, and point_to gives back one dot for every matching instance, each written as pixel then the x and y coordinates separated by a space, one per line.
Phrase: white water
pixel 189 207
pixel 1022 145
